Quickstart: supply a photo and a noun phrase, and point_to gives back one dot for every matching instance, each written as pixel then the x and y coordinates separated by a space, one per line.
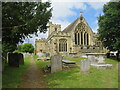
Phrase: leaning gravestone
pixel 56 63
pixel 13 59
pixel 84 66
pixel 21 58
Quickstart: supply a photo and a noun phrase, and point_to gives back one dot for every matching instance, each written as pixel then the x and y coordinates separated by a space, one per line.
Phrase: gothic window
pixel 75 38
pixel 84 38
pixel 87 39
pixel 81 38
pixel 62 45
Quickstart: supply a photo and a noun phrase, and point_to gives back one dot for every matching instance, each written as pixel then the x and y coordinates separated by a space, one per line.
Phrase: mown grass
pixel 41 63
pixel 12 75
pixel 97 78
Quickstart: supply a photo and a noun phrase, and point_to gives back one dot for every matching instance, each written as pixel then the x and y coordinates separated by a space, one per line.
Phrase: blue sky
pixel 65 13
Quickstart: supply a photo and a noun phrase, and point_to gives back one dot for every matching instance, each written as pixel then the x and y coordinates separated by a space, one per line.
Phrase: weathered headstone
pixel 101 59
pixel 3 64
pixel 92 59
pixel 13 59
pixel 3 60
pixel 56 63
pixel 4 57
pixel 21 58
pixel 84 66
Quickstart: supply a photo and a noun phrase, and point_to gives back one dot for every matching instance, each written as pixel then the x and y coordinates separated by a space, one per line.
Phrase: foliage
pixel 26 47
pixel 109 26
pixel 20 19
pixel 19 48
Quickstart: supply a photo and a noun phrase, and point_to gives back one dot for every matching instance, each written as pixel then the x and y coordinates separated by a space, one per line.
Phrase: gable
pixel 80 23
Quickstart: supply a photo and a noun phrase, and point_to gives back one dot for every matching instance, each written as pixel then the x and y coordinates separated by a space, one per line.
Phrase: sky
pixel 66 11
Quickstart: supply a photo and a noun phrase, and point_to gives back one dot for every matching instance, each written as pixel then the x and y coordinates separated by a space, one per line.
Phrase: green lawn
pixel 11 75
pixel 72 78
pixel 97 78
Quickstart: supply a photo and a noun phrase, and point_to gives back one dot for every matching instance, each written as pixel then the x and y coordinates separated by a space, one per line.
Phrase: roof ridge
pixel 70 24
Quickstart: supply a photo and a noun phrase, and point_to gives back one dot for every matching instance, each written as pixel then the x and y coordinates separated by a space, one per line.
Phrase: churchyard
pixel 69 76
pixel 57 61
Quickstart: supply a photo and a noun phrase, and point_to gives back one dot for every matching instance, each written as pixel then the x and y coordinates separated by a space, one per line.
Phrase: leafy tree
pixel 20 19
pixel 27 47
pixel 19 48
pixel 109 26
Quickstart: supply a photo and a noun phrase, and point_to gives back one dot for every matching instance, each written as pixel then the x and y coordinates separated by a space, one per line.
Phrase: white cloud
pixel 96 21
pixel 96 5
pixel 63 23
pixel 78 0
pixel 63 9
pixel 95 29
pixel 32 40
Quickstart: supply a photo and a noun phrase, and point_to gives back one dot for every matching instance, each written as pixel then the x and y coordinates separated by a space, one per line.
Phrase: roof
pixel 71 27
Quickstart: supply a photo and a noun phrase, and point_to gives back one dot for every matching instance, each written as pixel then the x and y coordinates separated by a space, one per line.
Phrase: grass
pixel 97 78
pixel 72 78
pixel 11 75
pixel 42 63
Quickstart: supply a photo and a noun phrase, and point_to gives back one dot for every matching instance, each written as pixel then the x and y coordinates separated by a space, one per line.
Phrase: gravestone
pixel 84 66
pixel 92 59
pixel 13 59
pixel 3 60
pixel 101 59
pixel 56 63
pixel 4 57
pixel 21 58
pixel 2 64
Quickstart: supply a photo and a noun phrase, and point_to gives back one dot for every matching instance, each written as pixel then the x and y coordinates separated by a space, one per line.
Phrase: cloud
pixel 96 21
pixel 32 40
pixel 63 9
pixel 96 5
pixel 63 23
pixel 95 29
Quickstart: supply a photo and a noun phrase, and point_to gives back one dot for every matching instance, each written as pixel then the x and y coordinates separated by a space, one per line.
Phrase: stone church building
pixel 76 39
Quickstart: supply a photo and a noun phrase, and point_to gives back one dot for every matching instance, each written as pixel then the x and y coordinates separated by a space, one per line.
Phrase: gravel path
pixel 32 78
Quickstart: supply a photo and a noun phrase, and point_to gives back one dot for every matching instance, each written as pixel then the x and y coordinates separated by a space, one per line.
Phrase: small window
pixel 93 48
pixel 81 47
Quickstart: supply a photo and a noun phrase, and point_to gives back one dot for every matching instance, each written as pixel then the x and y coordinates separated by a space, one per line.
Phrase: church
pixel 76 39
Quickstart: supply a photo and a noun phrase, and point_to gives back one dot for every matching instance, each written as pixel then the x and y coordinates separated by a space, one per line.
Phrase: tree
pixel 19 48
pixel 20 19
pixel 27 47
pixel 109 26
